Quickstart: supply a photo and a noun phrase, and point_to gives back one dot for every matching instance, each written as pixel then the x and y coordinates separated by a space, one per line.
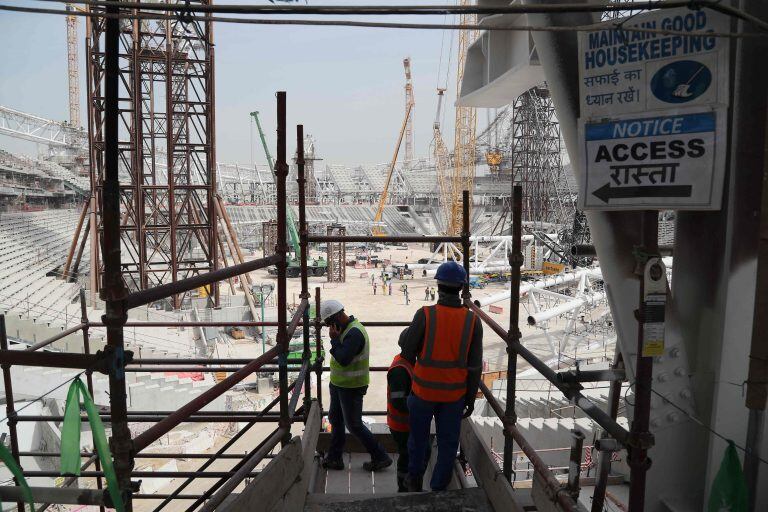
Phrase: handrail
pixel 164 426
pixel 57 337
pixel 538 464
pixel 164 291
pixel 570 391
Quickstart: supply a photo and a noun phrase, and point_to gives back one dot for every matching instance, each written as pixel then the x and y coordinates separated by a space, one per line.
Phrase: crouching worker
pixel 399 378
pixel 445 345
pixel 349 382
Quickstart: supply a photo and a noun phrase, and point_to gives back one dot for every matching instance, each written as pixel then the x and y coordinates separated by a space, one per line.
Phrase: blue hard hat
pixel 451 273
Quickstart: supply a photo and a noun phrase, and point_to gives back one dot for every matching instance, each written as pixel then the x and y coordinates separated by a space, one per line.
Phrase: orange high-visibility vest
pixel 440 373
pixel 398 419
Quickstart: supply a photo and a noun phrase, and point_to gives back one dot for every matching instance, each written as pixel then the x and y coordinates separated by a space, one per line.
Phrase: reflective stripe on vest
pixel 356 373
pixel 397 419
pixel 440 373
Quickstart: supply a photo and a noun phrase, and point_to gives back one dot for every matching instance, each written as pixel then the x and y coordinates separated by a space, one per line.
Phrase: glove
pixel 468 409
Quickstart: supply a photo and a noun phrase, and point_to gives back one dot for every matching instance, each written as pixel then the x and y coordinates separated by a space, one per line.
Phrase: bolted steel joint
pixel 640 440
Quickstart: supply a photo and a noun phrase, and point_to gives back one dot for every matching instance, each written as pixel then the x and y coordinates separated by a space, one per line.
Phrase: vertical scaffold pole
pixel 639 432
pixel 88 376
pixel 113 291
pixel 319 348
pixel 304 256
pixel 10 408
pixel 513 334
pixel 465 240
pixel 281 249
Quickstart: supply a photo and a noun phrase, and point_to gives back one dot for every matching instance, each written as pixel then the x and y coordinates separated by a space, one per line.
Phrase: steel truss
pixel 536 160
pixel 166 98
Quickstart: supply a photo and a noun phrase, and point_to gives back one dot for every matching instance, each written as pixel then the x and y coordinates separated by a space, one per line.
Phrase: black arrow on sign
pixel 606 192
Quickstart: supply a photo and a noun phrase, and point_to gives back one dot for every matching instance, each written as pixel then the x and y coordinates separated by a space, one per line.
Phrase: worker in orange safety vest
pixel 399 378
pixel 444 344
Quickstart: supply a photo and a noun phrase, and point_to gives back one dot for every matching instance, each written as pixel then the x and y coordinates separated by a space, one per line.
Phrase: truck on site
pixel 315 266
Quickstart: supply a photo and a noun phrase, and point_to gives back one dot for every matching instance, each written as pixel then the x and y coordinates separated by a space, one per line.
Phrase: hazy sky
pixel 344 84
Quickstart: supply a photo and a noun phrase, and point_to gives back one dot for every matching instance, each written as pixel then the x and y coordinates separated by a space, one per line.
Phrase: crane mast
pixel 464 138
pixel 74 77
pixel 409 104
pixel 441 157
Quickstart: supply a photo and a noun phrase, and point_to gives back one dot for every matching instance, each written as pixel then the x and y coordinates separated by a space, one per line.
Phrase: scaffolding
pixel 288 483
pixel 166 157
pixel 337 255
pixel 536 161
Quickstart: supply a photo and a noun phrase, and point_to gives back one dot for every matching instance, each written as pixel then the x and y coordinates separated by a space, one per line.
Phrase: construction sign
pixel 653 112
pixel 549 268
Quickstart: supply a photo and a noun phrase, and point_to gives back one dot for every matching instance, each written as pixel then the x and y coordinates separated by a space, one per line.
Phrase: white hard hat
pixel 328 308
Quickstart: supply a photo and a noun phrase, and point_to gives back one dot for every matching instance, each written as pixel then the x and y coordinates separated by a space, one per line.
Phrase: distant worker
pixel 375 285
pixel 399 377
pixel 445 346
pixel 426 293
pixel 350 376
pixel 424 273
pixel 432 293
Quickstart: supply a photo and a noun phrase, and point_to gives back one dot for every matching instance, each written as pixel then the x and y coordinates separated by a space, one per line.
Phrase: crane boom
pixel 376 230
pixel 293 233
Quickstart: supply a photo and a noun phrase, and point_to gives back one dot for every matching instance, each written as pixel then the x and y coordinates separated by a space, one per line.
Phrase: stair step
pixel 463 499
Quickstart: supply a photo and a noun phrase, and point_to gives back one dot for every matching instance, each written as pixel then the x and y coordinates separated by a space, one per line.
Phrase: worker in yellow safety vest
pixel 350 349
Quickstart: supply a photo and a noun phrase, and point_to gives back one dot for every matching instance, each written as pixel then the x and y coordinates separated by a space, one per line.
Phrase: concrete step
pixel 473 499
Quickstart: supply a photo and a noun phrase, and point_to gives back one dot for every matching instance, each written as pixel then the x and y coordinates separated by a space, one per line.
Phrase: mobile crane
pixel 315 266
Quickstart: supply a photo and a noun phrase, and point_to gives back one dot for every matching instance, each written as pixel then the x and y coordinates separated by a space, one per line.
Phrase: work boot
pixel 336 464
pixel 414 484
pixel 377 465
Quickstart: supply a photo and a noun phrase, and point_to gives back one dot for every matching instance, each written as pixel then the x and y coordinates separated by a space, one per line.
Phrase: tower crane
pixel 72 70
pixel 464 137
pixel 441 157
pixel 409 103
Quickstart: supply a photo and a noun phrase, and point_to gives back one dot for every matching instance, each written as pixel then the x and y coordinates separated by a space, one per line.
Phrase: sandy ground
pixel 359 300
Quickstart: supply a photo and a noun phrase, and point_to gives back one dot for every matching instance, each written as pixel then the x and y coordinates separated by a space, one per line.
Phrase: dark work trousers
pixel 347 411
pixel 448 427
pixel 401 439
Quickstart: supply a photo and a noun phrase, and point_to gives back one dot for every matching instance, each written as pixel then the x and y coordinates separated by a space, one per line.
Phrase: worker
pixel 426 294
pixel 350 349
pixel 445 346
pixel 399 377
pixel 375 285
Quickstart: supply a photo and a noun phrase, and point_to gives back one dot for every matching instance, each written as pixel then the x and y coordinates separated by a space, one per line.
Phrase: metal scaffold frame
pixel 129 214
pixel 166 161
pixel 115 361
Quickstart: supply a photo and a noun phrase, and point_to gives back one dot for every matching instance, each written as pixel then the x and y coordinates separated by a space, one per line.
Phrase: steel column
pixel 113 292
pixel 513 334
pixel 319 348
pixel 281 250
pixel 10 408
pixel 639 463
pixel 303 256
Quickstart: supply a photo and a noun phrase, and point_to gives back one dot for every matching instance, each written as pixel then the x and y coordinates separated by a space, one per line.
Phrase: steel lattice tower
pixel 337 255
pixel 166 146
pixel 536 160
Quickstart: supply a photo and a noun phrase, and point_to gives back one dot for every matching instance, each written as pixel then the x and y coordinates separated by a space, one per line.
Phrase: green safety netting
pixel 70 440
pixel 14 468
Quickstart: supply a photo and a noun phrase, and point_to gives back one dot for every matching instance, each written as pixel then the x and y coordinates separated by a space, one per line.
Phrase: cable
pixel 45 394
pixel 363 24
pixel 701 423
